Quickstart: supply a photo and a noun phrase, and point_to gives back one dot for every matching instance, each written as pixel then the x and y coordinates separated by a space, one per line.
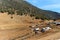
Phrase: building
pixel 57 23
pixel 35 29
pixel 45 29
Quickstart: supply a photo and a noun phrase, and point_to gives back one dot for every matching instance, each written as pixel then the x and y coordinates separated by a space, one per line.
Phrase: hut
pixel 35 29
pixel 45 29
pixel 57 23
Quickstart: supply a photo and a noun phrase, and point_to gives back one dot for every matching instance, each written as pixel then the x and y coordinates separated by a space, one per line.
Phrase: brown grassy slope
pixel 18 21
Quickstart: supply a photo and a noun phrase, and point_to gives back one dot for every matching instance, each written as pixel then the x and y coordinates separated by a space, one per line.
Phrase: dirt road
pixel 55 36
pixel 12 34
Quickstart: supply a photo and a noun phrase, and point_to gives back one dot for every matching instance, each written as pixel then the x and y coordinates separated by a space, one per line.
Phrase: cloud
pixel 51 6
pixel 46 4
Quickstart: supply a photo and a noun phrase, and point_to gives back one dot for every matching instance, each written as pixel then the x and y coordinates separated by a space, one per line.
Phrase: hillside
pixel 16 21
pixel 22 7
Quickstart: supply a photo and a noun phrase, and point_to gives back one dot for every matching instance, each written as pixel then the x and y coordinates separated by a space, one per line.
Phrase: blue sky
pixel 53 5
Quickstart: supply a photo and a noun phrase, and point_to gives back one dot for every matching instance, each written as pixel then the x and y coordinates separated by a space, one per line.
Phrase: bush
pixel 37 17
pixel 54 19
pixel 32 15
pixel 2 11
pixel 11 12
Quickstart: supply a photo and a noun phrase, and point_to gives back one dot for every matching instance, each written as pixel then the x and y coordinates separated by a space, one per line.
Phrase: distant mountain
pixel 23 7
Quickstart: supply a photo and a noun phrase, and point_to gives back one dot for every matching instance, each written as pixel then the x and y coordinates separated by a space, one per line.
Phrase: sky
pixel 53 5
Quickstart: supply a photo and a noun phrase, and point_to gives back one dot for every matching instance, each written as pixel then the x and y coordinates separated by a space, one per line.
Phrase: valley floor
pixel 55 36
pixel 18 28
pixel 17 34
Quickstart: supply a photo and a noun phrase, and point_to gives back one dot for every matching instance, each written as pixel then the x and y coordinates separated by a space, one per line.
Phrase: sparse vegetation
pixel 32 15
pixel 37 17
pixel 24 8
pixel 17 27
pixel 11 12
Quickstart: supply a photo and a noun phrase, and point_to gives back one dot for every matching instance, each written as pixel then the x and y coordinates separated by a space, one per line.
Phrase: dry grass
pixel 18 21
pixel 18 28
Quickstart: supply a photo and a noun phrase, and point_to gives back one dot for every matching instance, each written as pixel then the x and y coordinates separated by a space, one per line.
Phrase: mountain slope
pixel 23 7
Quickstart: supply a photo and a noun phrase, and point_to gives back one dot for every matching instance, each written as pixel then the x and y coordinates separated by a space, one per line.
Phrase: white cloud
pixel 47 4
pixel 51 6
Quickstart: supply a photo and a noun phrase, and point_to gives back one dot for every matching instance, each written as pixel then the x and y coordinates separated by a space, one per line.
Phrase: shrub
pixel 11 12
pixel 37 17
pixel 32 15
pixel 2 11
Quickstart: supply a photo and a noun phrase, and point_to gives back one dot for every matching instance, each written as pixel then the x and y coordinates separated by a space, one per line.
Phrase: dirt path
pixel 12 34
pixel 55 36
